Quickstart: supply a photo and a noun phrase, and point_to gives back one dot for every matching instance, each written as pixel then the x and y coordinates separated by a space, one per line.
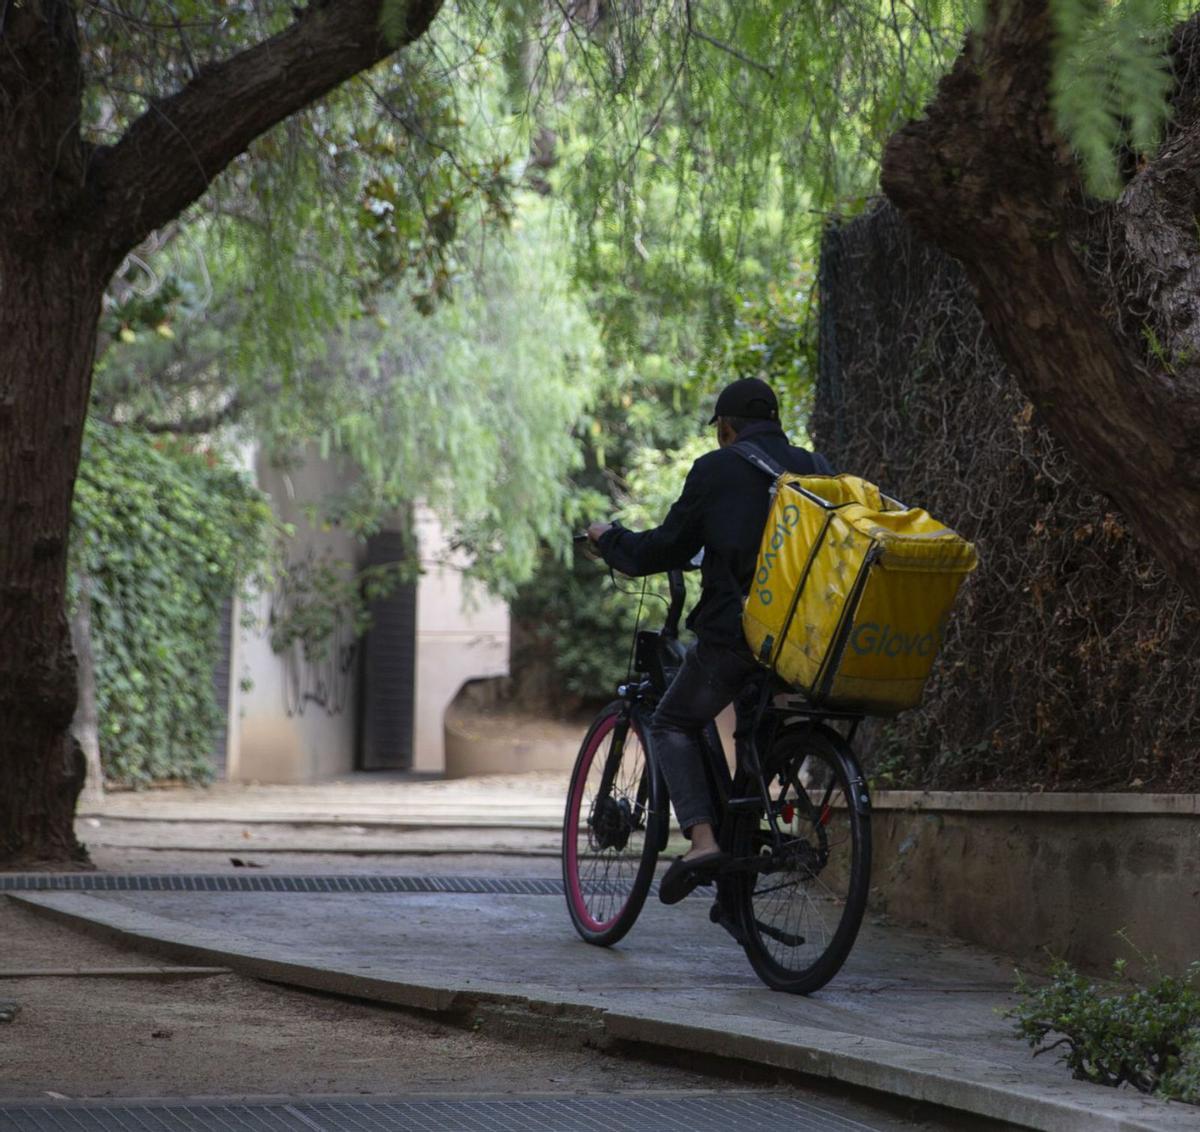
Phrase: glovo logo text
pixel 871 639
pixel 789 519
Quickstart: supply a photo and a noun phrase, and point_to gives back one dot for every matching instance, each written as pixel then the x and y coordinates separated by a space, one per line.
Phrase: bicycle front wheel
pixel 611 828
pixel 801 902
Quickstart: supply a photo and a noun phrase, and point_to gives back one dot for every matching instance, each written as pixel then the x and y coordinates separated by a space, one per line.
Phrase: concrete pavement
pixel 912 1015
pixel 533 800
pixel 516 814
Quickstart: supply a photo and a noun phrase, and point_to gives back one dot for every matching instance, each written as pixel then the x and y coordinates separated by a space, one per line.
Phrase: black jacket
pixel 723 508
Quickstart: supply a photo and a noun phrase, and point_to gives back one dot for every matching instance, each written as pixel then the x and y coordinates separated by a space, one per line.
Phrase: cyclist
pixel 722 511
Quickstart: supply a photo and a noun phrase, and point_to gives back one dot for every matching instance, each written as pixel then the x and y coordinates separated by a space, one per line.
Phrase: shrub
pixel 1144 1036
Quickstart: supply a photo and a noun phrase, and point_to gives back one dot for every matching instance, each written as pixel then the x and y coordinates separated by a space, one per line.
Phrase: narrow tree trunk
pixel 48 314
pixel 86 724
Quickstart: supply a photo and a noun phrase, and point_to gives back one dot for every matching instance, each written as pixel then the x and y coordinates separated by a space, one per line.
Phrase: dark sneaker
pixel 685 875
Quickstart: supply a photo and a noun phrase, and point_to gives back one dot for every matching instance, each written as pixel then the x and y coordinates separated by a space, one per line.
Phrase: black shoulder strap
pixel 758 458
pixel 764 463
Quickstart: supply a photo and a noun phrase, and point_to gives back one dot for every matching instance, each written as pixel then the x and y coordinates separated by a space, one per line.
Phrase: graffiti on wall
pixel 313 626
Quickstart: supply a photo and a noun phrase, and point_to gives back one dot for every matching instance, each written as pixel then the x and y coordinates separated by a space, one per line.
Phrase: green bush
pixel 165 534
pixel 1144 1036
pixel 581 626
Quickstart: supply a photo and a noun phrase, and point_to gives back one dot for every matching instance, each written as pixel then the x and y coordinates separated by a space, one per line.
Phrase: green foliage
pixel 1182 1083
pixel 699 149
pixel 1148 1037
pixel 1111 80
pixel 324 595
pixel 165 534
pixel 470 409
pixel 774 337
pixel 646 436
pixel 656 478
pixel 725 132
pixel 698 185
pixel 582 623
pixel 439 346
pixel 584 618
pixel 373 190
pixel 770 338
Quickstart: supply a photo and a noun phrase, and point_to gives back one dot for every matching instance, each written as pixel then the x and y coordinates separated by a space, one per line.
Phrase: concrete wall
pixel 1035 875
pixel 296 722
pixel 456 641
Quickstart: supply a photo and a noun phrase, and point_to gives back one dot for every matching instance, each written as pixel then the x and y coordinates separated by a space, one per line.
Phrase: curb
pixel 254 850
pixel 414 824
pixel 911 1072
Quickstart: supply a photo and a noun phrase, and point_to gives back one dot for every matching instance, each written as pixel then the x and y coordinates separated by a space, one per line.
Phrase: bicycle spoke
pixel 804 899
pixel 605 833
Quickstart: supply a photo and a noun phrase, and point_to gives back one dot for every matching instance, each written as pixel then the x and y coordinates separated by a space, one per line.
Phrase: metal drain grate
pixel 93 882
pixel 623 1113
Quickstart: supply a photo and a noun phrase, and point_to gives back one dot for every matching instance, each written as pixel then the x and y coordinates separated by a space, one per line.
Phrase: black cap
pixel 750 397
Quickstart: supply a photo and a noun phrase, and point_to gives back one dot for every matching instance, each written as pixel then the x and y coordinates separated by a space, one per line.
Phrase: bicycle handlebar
pixel 676 588
pixel 678 592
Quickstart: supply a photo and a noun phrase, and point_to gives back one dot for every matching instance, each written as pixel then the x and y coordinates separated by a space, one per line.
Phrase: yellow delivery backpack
pixel 852 590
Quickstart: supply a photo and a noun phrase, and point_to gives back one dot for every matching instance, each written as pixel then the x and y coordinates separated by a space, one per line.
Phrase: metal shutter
pixel 389 667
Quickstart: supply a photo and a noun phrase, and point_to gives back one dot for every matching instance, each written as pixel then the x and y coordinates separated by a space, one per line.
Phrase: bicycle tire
pixel 610 840
pixel 799 919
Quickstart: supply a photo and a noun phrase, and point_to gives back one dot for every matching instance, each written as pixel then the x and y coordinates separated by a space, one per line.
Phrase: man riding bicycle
pixel 722 511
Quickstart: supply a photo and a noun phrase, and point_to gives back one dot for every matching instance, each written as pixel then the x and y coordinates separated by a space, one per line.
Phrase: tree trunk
pixel 1083 298
pixel 86 724
pixel 69 212
pixel 49 306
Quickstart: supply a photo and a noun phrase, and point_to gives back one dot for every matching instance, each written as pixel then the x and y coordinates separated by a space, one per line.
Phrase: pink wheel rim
pixel 575 891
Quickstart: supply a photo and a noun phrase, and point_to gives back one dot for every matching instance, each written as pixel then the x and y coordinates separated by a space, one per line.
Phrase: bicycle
pixel 794 818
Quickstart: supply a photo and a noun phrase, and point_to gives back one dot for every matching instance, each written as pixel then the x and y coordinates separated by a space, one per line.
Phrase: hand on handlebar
pixel 588 539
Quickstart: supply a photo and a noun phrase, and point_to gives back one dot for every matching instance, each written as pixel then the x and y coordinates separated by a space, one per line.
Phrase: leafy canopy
pixel 699 146
pixel 470 408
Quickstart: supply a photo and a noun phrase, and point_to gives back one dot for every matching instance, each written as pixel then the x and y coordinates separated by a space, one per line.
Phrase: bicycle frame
pixel 793 804
pixel 654 653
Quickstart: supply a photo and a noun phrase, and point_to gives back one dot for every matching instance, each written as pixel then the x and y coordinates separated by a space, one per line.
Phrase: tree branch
pixel 728 48
pixel 194 426
pixel 987 176
pixel 169 156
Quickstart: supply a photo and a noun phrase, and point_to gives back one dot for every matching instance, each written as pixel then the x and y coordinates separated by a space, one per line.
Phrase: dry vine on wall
pixel 1073 661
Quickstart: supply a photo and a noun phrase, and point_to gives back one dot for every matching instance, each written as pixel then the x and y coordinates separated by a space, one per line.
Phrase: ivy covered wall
pixel 164 532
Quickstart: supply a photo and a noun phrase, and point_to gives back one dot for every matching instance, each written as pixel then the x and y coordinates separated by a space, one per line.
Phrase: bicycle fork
pixel 640 812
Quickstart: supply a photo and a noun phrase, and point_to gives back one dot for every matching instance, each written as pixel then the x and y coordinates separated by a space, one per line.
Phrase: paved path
pixel 494 801
pixel 366 813
pixel 911 1014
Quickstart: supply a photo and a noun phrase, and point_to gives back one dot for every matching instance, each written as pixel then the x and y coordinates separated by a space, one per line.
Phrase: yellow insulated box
pixel 852 593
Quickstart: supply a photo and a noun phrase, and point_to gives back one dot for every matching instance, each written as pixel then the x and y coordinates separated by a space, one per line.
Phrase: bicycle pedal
pixel 717 915
pixel 788 939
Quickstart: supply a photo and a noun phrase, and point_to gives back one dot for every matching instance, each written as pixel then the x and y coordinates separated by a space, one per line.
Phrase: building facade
pixel 374 702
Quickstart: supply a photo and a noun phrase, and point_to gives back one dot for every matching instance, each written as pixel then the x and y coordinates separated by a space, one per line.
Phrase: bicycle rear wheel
pixel 800 905
pixel 611 828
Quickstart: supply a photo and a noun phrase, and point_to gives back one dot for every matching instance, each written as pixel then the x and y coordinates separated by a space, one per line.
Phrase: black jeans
pixel 711 677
